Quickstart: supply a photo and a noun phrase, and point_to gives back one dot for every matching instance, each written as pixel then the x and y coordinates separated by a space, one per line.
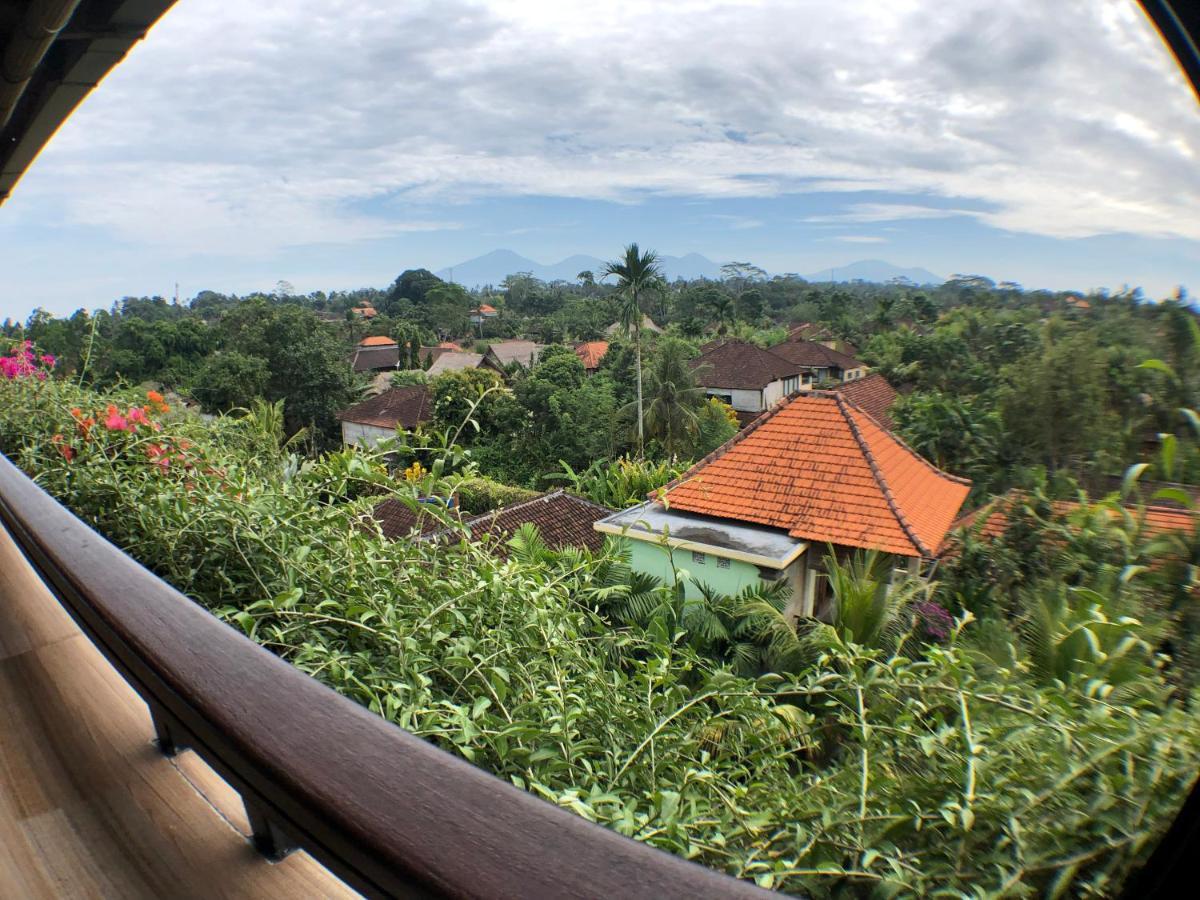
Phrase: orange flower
pixel 60 443
pixel 154 396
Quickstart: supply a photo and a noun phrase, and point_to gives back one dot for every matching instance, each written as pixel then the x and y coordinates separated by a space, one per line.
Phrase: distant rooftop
pixel 740 365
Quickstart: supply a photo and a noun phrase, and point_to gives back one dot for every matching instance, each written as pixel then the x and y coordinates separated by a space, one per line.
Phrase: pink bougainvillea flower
pixel 48 360
pixel 137 416
pixel 115 421
pixel 60 443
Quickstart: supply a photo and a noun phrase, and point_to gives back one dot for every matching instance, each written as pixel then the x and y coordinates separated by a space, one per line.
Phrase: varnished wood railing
pixel 389 813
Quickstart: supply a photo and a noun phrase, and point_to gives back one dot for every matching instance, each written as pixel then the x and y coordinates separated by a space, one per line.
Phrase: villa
pixel 815 472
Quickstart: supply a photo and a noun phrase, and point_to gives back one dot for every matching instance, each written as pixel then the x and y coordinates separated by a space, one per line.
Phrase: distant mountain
pixel 492 268
pixel 874 270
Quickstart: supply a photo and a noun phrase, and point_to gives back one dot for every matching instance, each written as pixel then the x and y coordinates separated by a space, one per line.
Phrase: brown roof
pixel 524 352
pixel 740 365
pixel 397 519
pixel 873 395
pixel 369 359
pixel 405 406
pixel 812 355
pixel 590 353
pixel 453 362
pixel 823 470
pixel 991 520
pixel 562 519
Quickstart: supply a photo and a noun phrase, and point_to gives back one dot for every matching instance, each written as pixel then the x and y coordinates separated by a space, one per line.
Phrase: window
pixel 722 562
pixel 698 557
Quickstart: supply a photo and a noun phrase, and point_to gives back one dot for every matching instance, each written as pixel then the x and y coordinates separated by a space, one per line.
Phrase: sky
pixel 335 143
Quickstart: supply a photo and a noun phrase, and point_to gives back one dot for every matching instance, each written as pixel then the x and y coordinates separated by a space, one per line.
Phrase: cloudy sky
pixel 334 143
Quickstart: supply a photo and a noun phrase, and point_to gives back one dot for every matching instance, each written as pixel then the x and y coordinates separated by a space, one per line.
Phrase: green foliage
pixel 625 482
pixel 480 494
pixel 858 772
pixel 228 380
pixel 716 423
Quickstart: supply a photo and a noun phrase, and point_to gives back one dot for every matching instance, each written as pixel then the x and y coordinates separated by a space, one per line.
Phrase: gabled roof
pixel 450 361
pixel 485 309
pixel 591 352
pixel 873 395
pixel 367 312
pixel 811 355
pixel 405 406
pixel 367 359
pixel 740 365
pixel 524 352
pixel 824 470
pixel 379 340
pixel 647 325
pixel 562 519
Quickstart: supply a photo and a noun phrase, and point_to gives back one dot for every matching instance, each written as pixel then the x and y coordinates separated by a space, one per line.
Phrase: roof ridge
pixel 957 479
pixel 729 444
pixel 911 533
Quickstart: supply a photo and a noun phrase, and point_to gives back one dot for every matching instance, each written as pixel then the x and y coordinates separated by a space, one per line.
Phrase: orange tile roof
pixel 874 395
pixel 995 514
pixel 820 467
pixel 377 341
pixel 591 352
pixel 485 309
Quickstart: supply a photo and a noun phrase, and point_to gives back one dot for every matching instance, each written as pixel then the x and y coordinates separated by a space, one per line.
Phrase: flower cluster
pixel 935 623
pixel 415 472
pixel 24 363
pixel 113 420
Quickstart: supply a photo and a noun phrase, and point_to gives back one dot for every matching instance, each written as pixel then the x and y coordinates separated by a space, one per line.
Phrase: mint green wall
pixel 653 559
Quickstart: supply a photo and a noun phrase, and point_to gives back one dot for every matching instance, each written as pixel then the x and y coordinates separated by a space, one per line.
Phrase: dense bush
pixel 917 772
pixel 480 494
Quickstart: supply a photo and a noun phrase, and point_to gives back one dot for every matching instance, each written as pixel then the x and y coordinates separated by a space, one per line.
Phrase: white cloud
pixel 861 239
pixel 246 128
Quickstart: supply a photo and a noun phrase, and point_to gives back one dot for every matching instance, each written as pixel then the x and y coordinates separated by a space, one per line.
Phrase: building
pixel 616 329
pixel 821 363
pixel 485 312
pixel 365 312
pixel 747 377
pixel 502 354
pixel 452 361
pixel 816 471
pixel 562 519
pixel 375 419
pixel 873 395
pixel 591 353
pixel 376 357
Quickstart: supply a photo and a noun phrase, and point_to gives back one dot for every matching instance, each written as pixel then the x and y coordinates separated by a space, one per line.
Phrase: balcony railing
pixel 385 811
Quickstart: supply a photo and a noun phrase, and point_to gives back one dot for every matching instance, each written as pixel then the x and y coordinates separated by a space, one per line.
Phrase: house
pixel 378 418
pixel 873 395
pixel 376 357
pixel 590 353
pixel 483 313
pixel 378 340
pixel 810 331
pixel 747 377
pixel 365 312
pixel 820 362
pixel 562 519
pixel 451 361
pixel 814 472
pixel 502 354
pixel 616 329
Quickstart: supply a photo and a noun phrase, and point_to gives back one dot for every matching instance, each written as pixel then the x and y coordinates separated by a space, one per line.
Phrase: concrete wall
pixel 747 401
pixel 654 559
pixel 354 434
pixel 772 394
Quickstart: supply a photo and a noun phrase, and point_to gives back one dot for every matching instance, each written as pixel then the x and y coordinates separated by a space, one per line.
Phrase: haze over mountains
pixel 492 268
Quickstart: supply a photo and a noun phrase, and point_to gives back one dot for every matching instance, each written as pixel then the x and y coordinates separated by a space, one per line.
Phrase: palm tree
pixel 637 275
pixel 672 414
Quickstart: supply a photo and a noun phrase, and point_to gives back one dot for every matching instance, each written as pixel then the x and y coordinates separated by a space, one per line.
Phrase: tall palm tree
pixel 675 399
pixel 637 274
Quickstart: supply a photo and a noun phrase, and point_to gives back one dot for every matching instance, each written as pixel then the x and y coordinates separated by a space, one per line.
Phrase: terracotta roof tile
pixel 378 340
pixel 405 406
pixel 398 520
pixel 820 467
pixel 740 365
pixel 873 395
pixel 992 519
pixel 590 353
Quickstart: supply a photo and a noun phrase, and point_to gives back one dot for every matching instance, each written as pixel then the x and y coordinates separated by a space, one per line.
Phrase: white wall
pixel 772 394
pixel 747 401
pixel 354 434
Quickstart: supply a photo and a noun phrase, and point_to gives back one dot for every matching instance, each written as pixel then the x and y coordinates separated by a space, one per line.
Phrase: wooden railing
pixel 387 812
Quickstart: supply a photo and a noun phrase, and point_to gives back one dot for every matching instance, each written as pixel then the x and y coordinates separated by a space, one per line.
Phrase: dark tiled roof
pixel 524 352
pixel 367 359
pixel 740 365
pixel 563 520
pixel 873 395
pixel 811 355
pixel 405 406
pixel 398 520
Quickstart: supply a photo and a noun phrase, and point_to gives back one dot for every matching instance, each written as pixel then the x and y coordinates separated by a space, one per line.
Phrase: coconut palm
pixel 672 413
pixel 638 274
